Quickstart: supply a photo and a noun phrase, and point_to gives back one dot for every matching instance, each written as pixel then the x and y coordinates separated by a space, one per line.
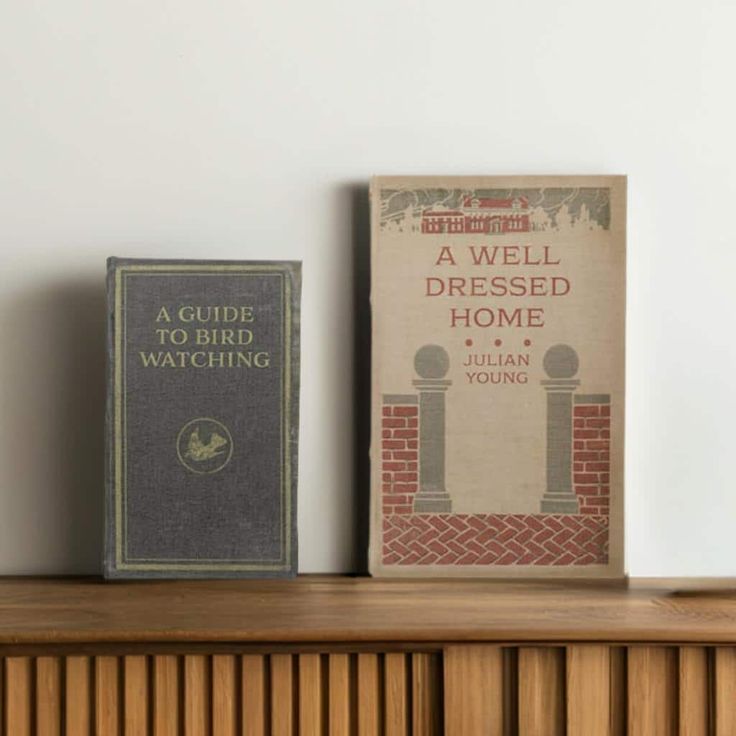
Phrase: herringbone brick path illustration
pixel 495 539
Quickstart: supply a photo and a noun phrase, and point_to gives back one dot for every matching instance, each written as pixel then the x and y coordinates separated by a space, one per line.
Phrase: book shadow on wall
pixel 59 360
pixel 361 251
pixel 57 369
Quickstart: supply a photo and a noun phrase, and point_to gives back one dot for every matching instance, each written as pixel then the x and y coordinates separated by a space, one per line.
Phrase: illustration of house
pixel 480 215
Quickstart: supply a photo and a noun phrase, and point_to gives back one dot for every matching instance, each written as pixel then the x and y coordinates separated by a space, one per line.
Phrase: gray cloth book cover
pixel 202 418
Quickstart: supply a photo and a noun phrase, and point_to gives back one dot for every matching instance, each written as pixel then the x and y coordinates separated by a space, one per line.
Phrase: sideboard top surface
pixel 314 609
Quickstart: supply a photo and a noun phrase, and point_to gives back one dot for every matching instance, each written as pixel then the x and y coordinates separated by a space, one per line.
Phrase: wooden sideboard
pixel 358 657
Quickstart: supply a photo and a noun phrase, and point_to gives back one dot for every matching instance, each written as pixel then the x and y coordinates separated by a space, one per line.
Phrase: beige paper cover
pixel 498 307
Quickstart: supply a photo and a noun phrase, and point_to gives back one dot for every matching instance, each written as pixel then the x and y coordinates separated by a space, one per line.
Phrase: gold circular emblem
pixel 204 445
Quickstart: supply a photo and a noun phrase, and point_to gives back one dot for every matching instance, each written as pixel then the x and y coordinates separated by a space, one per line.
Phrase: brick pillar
pixel 591 452
pixel 399 453
pixel 431 363
pixel 560 364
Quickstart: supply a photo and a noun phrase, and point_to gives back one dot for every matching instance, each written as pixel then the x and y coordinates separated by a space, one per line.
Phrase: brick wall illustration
pixel 399 453
pixel 495 539
pixel 418 527
pixel 592 453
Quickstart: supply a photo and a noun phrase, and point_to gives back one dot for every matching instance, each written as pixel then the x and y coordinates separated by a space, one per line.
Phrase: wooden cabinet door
pixel 310 693
pixel 460 690
pixel 585 689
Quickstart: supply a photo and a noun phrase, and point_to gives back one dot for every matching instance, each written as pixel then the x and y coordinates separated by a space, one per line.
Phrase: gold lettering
pixel 263 360
pixel 194 358
pixel 178 336
pixel 222 336
pixel 216 313
pixel 150 359
pixel 205 359
pixel 217 360
pixel 186 314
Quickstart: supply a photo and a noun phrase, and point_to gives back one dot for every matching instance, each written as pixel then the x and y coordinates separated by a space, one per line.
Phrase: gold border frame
pixel 119 410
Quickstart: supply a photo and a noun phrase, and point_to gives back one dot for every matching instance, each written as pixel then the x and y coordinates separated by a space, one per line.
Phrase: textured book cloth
pixel 202 418
pixel 498 376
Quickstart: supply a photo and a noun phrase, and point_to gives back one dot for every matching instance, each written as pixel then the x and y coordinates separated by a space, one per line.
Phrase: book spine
pixel 108 565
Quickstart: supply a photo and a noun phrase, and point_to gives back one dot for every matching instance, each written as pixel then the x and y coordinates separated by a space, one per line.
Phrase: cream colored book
pixel 498 313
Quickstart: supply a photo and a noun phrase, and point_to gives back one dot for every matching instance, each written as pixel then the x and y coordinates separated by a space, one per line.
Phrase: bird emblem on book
pixel 204 445
pixel 200 451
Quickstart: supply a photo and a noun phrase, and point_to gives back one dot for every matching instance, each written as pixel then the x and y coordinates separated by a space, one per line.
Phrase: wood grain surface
pixel 48 696
pixel 165 696
pixel 725 691
pixel 107 697
pixel 542 691
pixel 78 696
pixel 311 696
pixel 695 685
pixel 366 658
pixel 19 695
pixel 588 690
pixel 480 707
pixel 653 691
pixel 334 609
pixel 426 694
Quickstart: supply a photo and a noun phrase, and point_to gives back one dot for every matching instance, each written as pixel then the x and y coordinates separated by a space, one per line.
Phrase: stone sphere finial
pixel 431 361
pixel 561 361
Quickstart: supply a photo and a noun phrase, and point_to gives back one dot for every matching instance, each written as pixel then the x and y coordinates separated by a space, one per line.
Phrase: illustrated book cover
pixel 498 321
pixel 202 418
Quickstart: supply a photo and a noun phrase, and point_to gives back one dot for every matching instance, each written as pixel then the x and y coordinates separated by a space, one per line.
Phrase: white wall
pixel 239 129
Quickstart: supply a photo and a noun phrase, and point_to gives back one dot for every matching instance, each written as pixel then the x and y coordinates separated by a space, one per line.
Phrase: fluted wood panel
pixel 480 707
pixel 255 695
pixel 310 694
pixel 369 699
pixel 282 695
pixel 340 705
pixel 694 686
pixel 426 694
pixel 542 691
pixel 653 691
pixel 165 696
pixel 19 696
pixel 618 696
pixel 196 695
pixel 725 691
pixel 48 696
pixel 396 695
pixel 78 695
pixel 135 679
pixel 311 698
pixel 108 703
pixel 588 690
pixel 574 690
pixel 224 695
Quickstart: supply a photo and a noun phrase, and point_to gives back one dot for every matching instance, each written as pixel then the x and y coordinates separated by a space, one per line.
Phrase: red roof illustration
pixel 488 203
pixel 441 213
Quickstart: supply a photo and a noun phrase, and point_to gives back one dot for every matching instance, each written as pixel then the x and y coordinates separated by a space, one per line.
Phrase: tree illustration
pixel 563 219
pixel 539 219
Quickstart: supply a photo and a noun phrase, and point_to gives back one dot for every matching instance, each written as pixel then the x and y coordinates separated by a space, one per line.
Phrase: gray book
pixel 202 418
